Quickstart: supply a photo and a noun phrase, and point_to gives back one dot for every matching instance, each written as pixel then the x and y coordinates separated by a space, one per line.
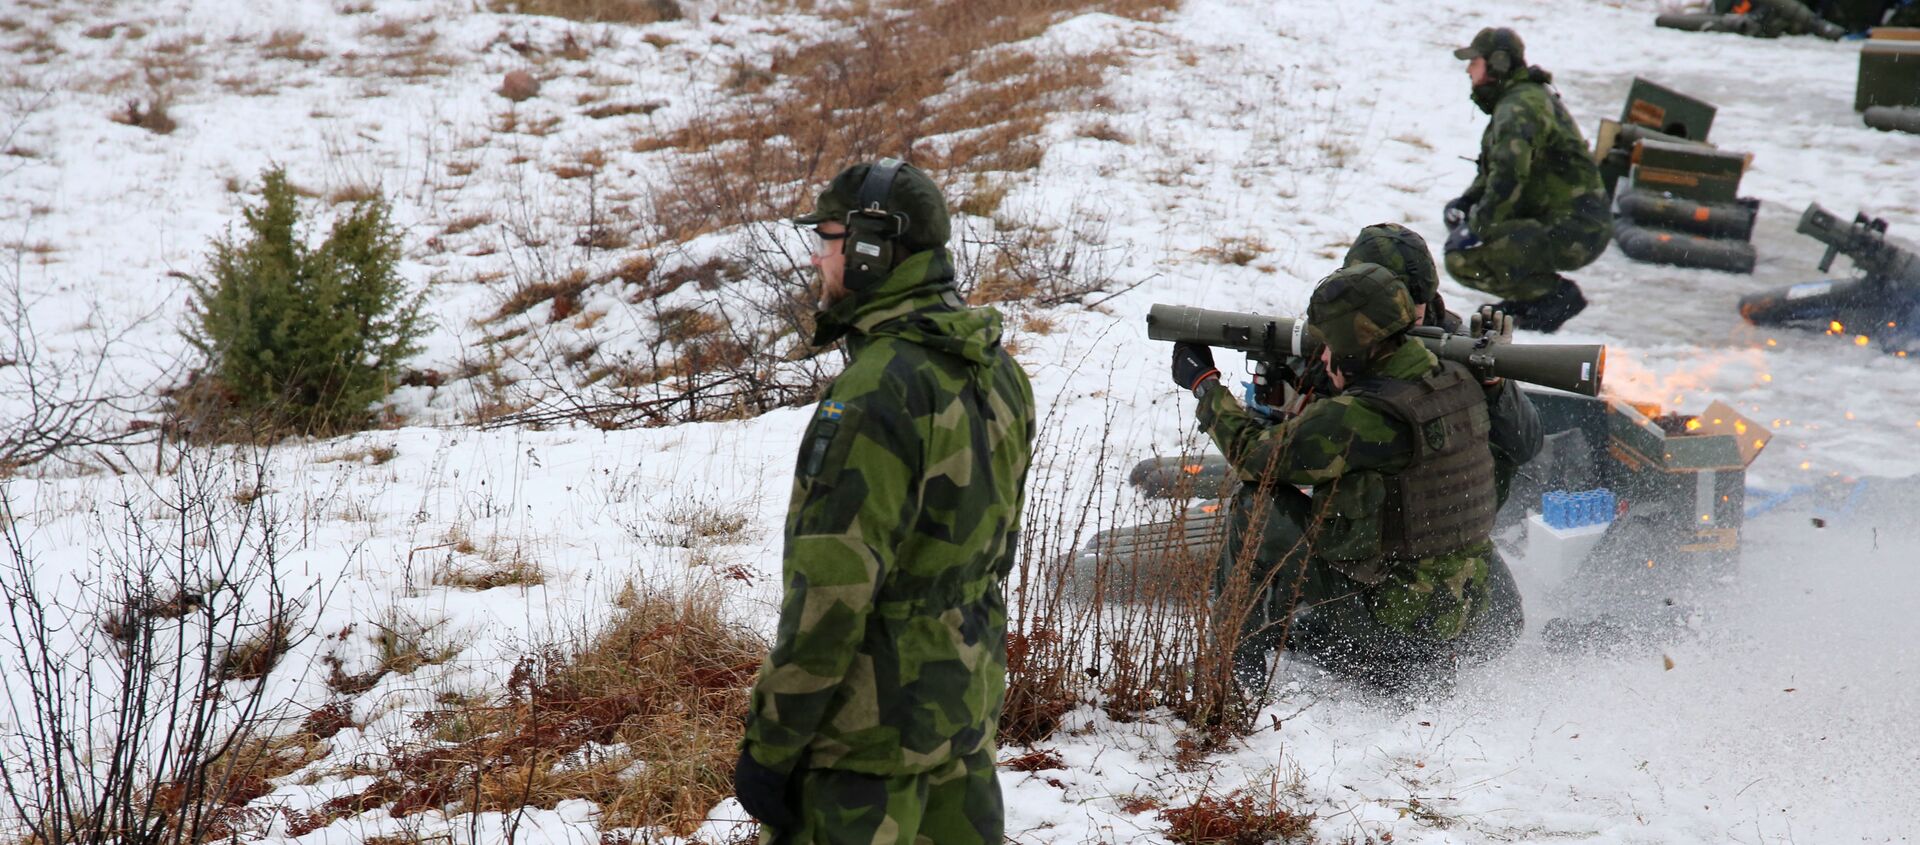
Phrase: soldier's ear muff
pixel 1499 63
pixel 873 229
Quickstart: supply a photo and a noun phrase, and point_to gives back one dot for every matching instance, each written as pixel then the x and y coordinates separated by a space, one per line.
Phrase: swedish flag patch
pixel 832 410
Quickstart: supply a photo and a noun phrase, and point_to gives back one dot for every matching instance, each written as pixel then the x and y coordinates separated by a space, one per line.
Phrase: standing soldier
pixel 1392 579
pixel 873 718
pixel 1537 205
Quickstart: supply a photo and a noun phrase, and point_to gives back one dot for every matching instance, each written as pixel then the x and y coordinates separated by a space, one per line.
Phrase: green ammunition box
pixel 1663 109
pixel 1692 171
pixel 1719 439
pixel 1889 74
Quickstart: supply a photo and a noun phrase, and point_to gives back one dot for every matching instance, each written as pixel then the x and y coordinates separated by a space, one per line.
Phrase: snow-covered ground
pixel 1788 713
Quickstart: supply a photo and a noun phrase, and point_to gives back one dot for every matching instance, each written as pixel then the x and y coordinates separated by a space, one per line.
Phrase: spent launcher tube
pixel 1576 368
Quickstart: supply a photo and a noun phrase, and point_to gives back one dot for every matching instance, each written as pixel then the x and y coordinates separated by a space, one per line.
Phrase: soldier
pixel 1537 205
pixel 1395 577
pixel 873 719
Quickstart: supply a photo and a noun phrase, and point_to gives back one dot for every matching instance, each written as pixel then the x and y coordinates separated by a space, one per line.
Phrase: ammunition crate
pixel 1889 74
pixel 1692 171
pixel 1663 109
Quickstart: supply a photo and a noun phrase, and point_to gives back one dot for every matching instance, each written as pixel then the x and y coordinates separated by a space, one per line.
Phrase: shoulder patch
pixel 831 410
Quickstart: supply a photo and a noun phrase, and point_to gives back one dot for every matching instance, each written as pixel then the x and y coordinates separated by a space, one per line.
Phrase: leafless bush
pixel 1126 631
pixel 127 722
pixel 71 407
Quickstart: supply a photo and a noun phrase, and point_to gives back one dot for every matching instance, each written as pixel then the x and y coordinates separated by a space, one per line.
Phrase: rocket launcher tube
pixel 1576 368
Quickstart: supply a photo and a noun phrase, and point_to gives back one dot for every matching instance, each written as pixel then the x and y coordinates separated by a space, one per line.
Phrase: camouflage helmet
pixel 1401 250
pixel 1491 41
pixel 1358 306
pixel 913 194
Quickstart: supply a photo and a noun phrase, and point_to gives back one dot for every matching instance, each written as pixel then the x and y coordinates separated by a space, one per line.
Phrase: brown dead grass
pixel 658 691
pixel 965 103
pixel 596 11
pixel 1237 819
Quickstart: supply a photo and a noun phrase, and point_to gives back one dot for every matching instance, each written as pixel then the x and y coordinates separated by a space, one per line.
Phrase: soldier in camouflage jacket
pixel 1373 587
pixel 1537 204
pixel 873 718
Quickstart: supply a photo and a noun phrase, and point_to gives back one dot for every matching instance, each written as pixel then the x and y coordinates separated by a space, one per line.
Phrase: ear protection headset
pixel 872 229
pixel 1500 63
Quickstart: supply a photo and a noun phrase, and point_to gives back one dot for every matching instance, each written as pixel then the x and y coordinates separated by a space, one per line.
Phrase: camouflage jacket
pixel 1343 447
pixel 1534 164
pixel 890 655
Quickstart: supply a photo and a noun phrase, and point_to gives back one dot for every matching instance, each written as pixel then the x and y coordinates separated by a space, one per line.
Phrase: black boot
pixel 1548 313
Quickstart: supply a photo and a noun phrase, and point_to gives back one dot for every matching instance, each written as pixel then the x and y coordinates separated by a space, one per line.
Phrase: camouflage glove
pixel 1193 365
pixel 763 792
pixel 1489 326
pixel 1491 323
pixel 1456 212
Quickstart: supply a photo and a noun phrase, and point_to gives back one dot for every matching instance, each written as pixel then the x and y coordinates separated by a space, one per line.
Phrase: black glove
pixel 1461 238
pixel 763 792
pixel 1192 364
pixel 1457 211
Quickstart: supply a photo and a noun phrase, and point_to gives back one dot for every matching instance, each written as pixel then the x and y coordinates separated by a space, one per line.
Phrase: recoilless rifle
pixel 1882 303
pixel 1576 368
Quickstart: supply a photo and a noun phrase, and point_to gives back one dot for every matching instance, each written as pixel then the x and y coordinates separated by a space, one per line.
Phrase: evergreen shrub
pixel 299 339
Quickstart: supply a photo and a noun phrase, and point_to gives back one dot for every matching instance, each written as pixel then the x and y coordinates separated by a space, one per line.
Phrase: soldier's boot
pixel 1548 313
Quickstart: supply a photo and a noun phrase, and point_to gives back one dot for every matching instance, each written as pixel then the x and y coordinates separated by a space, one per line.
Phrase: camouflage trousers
pixel 1517 259
pixel 955 804
pixel 1406 631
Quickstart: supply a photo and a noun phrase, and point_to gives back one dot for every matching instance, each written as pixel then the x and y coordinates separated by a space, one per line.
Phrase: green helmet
pixel 1401 250
pixel 914 195
pixel 1358 306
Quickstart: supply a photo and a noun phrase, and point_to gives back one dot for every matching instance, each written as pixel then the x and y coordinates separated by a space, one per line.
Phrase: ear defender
pixel 872 229
pixel 1500 63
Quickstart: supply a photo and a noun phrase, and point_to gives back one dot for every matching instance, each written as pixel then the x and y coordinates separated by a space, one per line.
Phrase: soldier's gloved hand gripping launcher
pixel 872 229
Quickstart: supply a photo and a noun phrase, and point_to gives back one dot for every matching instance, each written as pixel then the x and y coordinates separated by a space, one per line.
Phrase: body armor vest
pixel 1445 500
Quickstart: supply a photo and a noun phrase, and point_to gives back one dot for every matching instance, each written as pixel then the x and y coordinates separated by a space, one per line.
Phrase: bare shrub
pixel 150 726
pixel 72 408
pixel 1021 260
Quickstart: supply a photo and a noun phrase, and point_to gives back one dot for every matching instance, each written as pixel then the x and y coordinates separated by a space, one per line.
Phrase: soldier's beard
pixel 1486 95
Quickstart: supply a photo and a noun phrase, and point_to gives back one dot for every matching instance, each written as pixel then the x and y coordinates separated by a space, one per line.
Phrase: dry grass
pixel 596 11
pixel 1237 819
pixel 1236 250
pixel 253 658
pixel 476 566
pixel 642 718
pixel 375 455
pixel 291 45
pixel 149 113
pixel 524 297
pixel 967 103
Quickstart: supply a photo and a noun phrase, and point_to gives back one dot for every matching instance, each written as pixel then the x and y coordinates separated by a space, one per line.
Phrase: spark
pixel 1772 342
pixel 1766 377
pixel 1806 465
pixel 1739 426
pixel 1835 328
pixel 1860 340
pixel 1693 424
pixel 1849 415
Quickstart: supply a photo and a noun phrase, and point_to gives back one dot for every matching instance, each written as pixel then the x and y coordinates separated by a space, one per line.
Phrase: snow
pixel 1789 709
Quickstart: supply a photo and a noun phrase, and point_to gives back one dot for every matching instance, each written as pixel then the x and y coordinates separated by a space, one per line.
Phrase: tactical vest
pixel 1445 500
